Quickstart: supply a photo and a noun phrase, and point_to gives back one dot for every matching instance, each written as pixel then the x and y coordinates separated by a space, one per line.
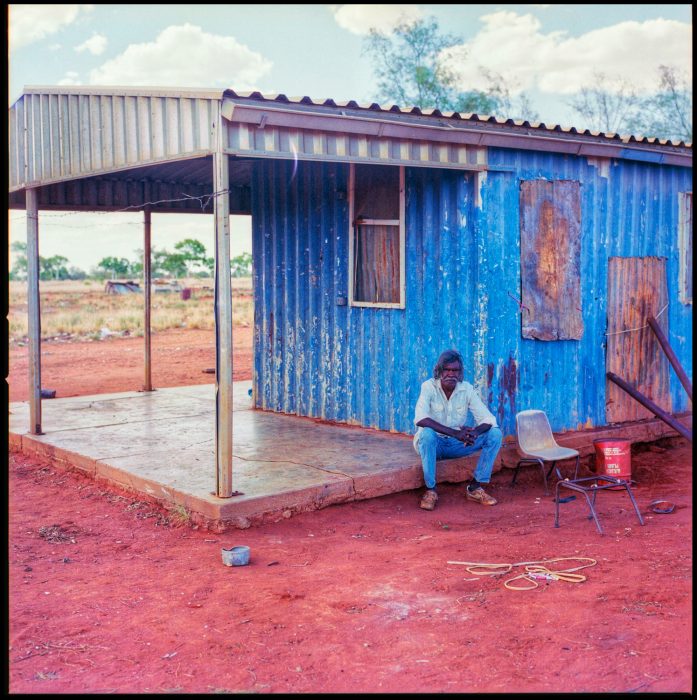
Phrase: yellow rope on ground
pixel 534 571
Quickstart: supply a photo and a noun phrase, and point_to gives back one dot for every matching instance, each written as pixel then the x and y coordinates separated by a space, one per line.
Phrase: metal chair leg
pixel 636 508
pixel 531 461
pixel 594 488
pixel 593 513
pixel 590 502
pixel 556 504
pixel 544 477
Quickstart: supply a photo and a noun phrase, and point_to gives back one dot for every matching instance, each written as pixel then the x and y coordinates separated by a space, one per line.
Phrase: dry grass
pixel 71 309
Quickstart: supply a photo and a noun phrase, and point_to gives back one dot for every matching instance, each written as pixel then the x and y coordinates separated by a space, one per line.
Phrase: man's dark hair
pixel 446 358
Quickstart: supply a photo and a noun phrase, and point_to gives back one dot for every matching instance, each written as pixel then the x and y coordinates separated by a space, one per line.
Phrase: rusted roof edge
pixel 274 115
pixel 454 119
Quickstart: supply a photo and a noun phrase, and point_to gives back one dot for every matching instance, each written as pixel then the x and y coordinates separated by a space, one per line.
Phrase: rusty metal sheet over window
pixel 550 251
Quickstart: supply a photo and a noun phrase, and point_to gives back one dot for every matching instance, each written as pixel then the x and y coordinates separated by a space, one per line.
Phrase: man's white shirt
pixel 434 404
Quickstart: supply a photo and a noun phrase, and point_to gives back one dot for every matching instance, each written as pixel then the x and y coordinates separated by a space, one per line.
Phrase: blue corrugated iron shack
pixel 536 256
pixel 382 236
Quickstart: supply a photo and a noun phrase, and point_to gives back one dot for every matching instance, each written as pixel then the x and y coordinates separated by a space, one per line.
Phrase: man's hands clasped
pixel 469 435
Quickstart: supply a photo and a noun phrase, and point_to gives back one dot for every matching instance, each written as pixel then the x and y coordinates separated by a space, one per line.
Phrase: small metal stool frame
pixel 585 487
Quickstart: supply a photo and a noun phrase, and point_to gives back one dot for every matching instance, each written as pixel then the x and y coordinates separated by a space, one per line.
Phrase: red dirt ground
pixel 110 594
pixel 178 357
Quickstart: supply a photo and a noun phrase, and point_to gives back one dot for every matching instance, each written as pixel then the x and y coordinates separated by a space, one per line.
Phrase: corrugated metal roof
pixel 61 134
pixel 471 118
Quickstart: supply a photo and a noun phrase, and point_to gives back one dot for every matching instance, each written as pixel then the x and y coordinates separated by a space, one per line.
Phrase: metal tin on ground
pixel 236 556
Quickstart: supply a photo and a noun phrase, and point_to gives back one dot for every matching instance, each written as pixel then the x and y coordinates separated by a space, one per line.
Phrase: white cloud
pixel 96 45
pixel 30 23
pixel 359 19
pixel 187 56
pixel 71 78
pixel 514 46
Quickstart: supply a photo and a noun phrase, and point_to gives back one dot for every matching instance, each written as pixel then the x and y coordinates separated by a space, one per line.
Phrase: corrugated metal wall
pixel 61 135
pixel 318 358
pixel 627 209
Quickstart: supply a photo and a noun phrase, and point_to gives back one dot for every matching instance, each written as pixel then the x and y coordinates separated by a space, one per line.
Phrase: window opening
pixel 376 253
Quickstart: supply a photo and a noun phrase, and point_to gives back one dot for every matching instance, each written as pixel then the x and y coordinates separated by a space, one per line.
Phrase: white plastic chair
pixel 536 445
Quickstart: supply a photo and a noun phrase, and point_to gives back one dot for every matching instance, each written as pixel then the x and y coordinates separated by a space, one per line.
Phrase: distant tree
pixel 113 267
pixel 412 70
pixel 193 252
pixel 53 268
pixel 75 273
pixel 157 259
pixel 188 259
pixel 608 105
pixel 175 265
pixel 241 265
pixel 614 105
pixel 19 267
pixel 667 113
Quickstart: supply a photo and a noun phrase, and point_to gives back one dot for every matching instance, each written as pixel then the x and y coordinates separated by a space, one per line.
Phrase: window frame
pixel 401 304
pixel 685 244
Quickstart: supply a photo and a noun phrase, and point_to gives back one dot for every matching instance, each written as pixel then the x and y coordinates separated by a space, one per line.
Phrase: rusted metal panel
pixel 637 289
pixel 550 251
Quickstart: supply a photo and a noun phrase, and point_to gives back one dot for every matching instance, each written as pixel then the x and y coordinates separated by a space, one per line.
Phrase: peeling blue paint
pixel 319 358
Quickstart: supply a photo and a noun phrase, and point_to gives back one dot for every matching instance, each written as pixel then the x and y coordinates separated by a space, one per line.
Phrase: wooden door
pixel 636 290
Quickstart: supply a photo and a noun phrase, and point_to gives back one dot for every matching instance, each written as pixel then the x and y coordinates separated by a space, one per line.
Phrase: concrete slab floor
pixel 162 444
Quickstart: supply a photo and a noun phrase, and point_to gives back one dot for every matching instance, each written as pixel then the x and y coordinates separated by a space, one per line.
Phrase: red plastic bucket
pixel 614 458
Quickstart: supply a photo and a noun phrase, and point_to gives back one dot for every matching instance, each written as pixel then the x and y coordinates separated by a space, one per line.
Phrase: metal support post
pixel 647 403
pixel 672 358
pixel 147 289
pixel 223 323
pixel 34 311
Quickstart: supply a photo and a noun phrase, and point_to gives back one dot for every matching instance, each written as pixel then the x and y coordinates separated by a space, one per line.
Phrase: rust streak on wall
pixel 507 388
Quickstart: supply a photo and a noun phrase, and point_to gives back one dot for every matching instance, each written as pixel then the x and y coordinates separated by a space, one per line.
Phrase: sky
pixel 548 51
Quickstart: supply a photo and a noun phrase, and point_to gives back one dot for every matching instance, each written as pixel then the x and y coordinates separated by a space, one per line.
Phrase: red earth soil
pixel 111 594
pixel 178 357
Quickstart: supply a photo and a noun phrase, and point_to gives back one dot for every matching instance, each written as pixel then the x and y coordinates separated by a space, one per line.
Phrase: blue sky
pixel 549 51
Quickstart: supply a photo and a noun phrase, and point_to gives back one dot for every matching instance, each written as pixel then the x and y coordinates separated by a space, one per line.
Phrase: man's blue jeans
pixel 433 446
